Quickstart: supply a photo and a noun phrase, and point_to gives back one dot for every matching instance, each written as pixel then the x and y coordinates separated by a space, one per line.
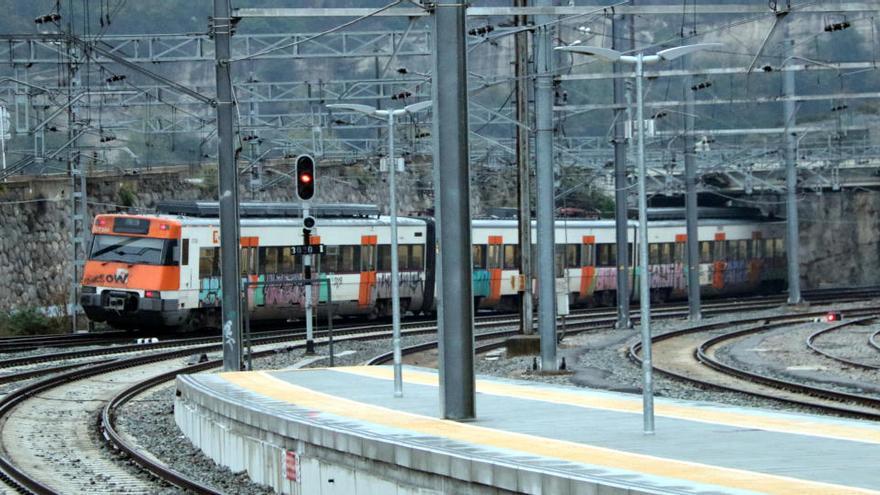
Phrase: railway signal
pixel 305 177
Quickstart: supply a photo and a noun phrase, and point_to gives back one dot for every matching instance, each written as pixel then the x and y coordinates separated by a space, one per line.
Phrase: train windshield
pixel 134 250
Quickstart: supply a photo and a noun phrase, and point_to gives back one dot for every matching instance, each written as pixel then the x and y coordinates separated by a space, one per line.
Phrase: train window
pixel 706 252
pixel 248 260
pixel 417 257
pixel 511 257
pixel 679 253
pixel 666 253
pixel 630 253
pixel 602 250
pixel 285 260
pixel 779 248
pixel 558 260
pixel 607 254
pixel 349 259
pixel 653 254
pixel 330 259
pixel 479 255
pixel 403 256
pixel 494 256
pixel 184 255
pixel 209 262
pixel 732 252
pixel 587 255
pixel 385 258
pixel 368 258
pixel 269 259
pixel 572 255
pixel 744 249
pixel 720 253
pixel 759 248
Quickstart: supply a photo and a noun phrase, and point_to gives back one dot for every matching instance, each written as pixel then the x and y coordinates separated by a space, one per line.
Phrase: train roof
pixel 297 221
pixel 610 224
pixel 211 209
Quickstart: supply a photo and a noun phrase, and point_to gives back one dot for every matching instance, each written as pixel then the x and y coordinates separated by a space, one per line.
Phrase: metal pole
pixel 395 275
pixel 330 320
pixel 620 185
pixel 644 275
pixel 453 210
pixel 228 193
pixel 524 193
pixel 246 312
pixel 790 157
pixel 691 218
pixel 307 268
pixel 544 194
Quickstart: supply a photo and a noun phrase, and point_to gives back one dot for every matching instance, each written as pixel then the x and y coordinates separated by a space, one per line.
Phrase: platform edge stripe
pixel 790 425
pixel 269 386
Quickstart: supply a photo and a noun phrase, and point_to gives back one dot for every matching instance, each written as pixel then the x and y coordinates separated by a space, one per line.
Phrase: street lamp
pixel 395 276
pixel 639 60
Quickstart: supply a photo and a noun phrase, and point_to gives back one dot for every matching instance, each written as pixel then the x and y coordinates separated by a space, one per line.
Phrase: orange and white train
pixel 163 270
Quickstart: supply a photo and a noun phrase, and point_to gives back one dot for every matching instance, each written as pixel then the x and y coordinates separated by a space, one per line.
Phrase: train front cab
pixel 132 276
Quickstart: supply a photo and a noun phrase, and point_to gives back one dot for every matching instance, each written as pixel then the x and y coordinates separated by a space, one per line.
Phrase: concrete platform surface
pixel 528 438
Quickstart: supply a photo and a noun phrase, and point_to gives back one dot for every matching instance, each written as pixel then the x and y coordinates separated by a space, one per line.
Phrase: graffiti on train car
pixel 209 292
pixel 271 289
pixel 409 283
pixel 606 279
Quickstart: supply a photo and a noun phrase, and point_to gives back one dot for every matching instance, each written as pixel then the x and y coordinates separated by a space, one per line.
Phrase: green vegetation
pixel 127 196
pixel 30 321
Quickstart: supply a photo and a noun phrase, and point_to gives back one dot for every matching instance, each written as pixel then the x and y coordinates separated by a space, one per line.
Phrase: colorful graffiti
pixel 209 292
pixel 481 283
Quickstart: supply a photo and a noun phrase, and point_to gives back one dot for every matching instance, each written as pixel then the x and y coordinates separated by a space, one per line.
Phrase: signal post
pixel 305 190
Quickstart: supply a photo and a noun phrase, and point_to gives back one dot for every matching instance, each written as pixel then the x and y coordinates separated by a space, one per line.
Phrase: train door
pixel 588 266
pixel 495 267
pixel 248 261
pixel 754 259
pixel 366 292
pixel 719 261
pixel 680 264
pixel 187 274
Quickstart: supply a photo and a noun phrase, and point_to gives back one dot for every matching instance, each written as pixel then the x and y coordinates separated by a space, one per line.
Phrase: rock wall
pixel 840 239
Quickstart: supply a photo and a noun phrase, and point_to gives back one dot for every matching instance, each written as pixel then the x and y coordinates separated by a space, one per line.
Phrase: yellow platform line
pixel 267 385
pixel 789 424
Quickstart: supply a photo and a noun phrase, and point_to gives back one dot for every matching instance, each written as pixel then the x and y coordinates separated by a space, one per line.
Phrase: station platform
pixel 341 431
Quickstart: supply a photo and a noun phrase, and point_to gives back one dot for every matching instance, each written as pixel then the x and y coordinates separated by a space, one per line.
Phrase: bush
pixel 30 321
pixel 127 196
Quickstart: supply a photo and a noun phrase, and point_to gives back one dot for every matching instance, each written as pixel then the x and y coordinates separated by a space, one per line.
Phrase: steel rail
pixel 812 346
pixel 780 320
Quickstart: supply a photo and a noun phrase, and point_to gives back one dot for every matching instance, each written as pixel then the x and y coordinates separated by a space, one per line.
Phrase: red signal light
pixel 101 222
pixel 833 316
pixel 305 177
pixel 152 294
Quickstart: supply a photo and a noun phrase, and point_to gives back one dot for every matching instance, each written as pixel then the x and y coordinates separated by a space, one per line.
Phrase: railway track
pixel 676 352
pixel 36 342
pixel 811 343
pixel 132 376
pixel 32 464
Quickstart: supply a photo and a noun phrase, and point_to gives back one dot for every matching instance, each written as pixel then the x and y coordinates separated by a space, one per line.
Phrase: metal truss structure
pixel 287 117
